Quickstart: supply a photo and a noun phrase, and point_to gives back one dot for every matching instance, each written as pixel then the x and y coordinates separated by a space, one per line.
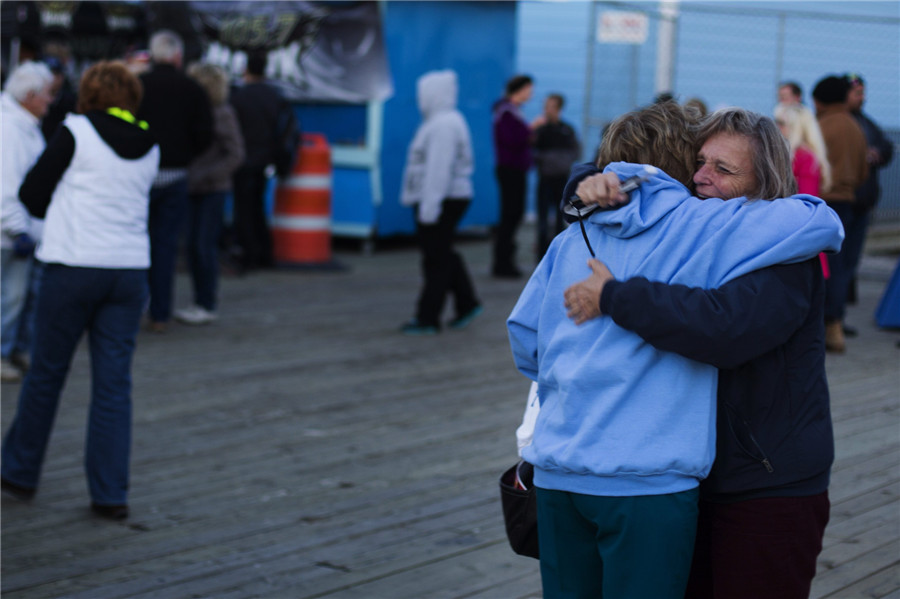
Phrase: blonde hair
pixel 661 134
pixel 212 79
pixel 802 129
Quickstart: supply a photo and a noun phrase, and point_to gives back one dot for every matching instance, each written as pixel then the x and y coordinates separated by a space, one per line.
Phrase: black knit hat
pixel 831 90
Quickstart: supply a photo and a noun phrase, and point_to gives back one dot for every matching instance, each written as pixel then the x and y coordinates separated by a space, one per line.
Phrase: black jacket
pixel 867 193
pixel 556 149
pixel 765 333
pixel 262 113
pixel 179 114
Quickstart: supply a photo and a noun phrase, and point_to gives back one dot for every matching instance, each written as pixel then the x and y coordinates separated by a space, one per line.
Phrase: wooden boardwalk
pixel 302 448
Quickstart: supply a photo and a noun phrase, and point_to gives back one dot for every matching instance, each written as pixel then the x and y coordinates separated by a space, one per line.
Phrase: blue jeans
pixel 29 312
pixel 14 277
pixel 108 304
pixel 843 265
pixel 204 228
pixel 168 209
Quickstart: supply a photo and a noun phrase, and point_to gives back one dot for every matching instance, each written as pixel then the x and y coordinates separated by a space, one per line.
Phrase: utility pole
pixel 666 46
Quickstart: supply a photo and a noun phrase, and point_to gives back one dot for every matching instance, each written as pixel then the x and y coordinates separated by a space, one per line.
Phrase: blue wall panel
pixel 477 40
pixel 728 53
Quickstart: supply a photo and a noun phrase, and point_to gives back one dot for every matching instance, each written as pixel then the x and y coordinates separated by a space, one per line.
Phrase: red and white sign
pixel 621 27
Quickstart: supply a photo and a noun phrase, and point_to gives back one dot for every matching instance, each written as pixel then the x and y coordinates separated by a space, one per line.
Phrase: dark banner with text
pixel 317 51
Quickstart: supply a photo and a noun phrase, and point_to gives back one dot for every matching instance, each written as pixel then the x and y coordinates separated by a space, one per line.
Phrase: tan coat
pixel 846 147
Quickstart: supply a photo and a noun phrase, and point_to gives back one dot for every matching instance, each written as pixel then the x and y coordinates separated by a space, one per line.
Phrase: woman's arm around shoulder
pixel 725 327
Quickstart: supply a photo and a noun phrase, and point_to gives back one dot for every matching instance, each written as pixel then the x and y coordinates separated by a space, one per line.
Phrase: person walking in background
pixel 24 102
pixel 271 135
pixel 180 116
pixel 556 149
pixel 880 151
pixel 93 185
pixel 512 147
pixel 846 147
pixel 209 182
pixel 438 181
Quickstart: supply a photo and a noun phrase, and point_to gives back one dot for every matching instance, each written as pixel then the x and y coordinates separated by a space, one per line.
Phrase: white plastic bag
pixel 525 432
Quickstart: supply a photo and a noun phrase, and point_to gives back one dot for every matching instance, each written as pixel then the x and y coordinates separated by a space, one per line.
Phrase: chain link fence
pixel 731 54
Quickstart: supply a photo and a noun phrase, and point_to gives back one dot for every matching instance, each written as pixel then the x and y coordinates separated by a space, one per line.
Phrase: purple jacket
pixel 512 136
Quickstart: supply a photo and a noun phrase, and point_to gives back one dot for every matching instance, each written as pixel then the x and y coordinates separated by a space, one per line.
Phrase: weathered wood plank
pixel 300 447
pixel 838 581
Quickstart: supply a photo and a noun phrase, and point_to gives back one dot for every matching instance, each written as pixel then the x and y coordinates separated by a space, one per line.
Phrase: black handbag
pixel 520 509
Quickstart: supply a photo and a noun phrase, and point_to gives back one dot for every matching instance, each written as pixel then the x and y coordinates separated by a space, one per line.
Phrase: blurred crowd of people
pixel 172 142
pixel 217 138
pixel 102 186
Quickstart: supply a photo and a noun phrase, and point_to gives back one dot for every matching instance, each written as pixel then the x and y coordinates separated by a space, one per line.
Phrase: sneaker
pixel 9 373
pixel 464 320
pixel 414 328
pixel 195 315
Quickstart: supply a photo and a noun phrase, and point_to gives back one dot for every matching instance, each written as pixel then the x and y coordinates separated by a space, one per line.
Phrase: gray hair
pixel 769 149
pixel 166 46
pixel 29 77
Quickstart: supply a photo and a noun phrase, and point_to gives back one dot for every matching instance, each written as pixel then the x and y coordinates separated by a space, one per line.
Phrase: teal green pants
pixel 616 547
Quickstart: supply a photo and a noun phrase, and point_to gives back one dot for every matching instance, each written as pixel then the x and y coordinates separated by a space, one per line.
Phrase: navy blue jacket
pixel 765 333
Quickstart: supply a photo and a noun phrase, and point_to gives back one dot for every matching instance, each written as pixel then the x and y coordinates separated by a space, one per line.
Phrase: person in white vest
pixel 92 187
pixel 24 102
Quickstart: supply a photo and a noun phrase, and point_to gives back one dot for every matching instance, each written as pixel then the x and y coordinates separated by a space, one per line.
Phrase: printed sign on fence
pixel 622 27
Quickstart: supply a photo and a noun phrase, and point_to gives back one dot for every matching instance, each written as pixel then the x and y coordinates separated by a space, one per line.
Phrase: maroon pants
pixel 758 548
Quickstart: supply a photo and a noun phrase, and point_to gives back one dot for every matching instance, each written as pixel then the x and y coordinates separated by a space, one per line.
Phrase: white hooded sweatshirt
pixel 22 145
pixel 440 162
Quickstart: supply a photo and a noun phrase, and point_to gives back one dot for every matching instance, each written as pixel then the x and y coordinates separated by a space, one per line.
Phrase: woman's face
pixel 523 95
pixel 725 167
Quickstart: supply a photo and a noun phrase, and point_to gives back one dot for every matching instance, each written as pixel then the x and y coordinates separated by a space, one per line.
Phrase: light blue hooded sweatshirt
pixel 619 417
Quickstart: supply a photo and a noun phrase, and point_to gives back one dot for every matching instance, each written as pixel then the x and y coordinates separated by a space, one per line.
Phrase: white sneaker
pixel 195 315
pixel 9 373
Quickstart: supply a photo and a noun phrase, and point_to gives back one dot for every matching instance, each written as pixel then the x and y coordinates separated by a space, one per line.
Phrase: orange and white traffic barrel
pixel 301 216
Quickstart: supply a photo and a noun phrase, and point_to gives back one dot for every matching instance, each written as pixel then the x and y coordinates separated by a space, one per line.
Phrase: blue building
pixel 369 141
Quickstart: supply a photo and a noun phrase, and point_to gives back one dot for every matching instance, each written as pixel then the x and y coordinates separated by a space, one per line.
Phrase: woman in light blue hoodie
pixel 438 182
pixel 626 431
